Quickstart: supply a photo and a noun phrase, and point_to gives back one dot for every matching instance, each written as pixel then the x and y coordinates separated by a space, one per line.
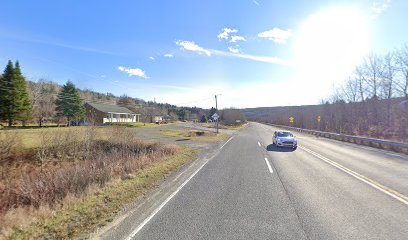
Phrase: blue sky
pixel 253 53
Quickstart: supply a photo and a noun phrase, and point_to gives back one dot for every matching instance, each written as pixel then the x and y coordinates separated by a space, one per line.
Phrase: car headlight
pixel 279 140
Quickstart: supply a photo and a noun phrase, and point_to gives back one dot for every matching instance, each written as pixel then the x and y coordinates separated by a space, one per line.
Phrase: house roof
pixel 109 108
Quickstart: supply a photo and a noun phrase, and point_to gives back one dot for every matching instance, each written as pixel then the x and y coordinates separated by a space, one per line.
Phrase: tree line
pixel 45 101
pixel 16 104
pixel 377 77
pixel 372 102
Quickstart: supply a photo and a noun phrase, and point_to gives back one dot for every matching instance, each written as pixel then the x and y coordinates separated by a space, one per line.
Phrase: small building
pixel 103 113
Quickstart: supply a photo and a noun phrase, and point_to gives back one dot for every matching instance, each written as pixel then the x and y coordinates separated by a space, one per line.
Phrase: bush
pixel 9 143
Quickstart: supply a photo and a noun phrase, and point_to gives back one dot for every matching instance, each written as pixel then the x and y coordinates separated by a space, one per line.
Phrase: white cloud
pixel 256 2
pixel 169 55
pixel 103 76
pixel 234 50
pixel 133 72
pixel 191 46
pixel 151 58
pixel 378 8
pixel 266 59
pixel 277 35
pixel 225 33
pixel 236 38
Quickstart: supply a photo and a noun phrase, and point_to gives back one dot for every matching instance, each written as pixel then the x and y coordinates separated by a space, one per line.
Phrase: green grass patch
pixel 137 125
pixel 96 210
pixel 145 125
pixel 195 135
pixel 222 126
pixel 31 137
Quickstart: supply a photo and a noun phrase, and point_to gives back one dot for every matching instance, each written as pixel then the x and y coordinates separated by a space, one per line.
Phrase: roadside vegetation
pixel 45 187
pixel 372 102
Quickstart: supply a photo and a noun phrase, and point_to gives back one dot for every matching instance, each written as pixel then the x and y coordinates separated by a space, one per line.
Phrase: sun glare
pixel 329 45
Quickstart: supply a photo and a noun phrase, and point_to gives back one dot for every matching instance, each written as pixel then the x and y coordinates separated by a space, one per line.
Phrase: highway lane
pixel 251 190
pixel 389 168
pixel 233 197
pixel 334 205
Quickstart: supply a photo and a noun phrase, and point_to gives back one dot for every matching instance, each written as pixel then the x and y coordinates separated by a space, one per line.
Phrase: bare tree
pixel 388 74
pixel 42 96
pixel 350 89
pixel 360 81
pixel 402 65
pixel 373 70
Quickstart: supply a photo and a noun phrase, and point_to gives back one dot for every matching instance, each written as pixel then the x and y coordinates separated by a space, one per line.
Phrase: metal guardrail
pixel 372 142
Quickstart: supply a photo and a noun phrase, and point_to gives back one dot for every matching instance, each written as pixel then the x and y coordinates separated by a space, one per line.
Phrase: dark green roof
pixel 109 108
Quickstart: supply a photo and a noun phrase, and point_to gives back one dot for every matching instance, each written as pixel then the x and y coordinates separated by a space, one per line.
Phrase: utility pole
pixel 216 110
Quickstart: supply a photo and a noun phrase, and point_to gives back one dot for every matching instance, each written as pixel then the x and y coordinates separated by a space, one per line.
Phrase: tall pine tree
pixel 15 102
pixel 8 110
pixel 22 99
pixel 69 104
pixel 9 94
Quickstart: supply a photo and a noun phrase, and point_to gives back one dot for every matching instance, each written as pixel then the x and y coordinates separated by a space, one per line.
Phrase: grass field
pixel 138 125
pixel 195 135
pixel 144 125
pixel 222 126
pixel 32 137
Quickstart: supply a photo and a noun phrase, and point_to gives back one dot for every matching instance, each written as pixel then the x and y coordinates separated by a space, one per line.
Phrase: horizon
pixel 252 53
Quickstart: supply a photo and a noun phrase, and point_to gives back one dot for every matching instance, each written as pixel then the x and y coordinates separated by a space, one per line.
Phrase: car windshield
pixel 285 134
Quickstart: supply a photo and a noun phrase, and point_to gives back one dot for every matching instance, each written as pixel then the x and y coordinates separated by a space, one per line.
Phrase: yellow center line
pixel 389 191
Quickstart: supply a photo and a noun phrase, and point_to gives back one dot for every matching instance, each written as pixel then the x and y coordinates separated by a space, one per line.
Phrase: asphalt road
pixel 251 190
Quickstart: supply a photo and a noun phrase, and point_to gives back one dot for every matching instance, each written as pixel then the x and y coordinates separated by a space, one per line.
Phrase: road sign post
pixel 216 110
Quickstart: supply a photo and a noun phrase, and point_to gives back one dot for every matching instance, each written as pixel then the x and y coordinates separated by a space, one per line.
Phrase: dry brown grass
pixel 98 206
pixel 10 142
pixel 68 164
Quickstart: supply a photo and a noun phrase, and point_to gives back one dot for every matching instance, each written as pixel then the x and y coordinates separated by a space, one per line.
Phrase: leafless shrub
pixel 9 143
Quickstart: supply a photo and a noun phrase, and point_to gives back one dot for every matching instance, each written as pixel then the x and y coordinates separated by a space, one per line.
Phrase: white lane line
pixel 390 192
pixel 259 144
pixel 269 165
pixel 134 232
pixel 227 142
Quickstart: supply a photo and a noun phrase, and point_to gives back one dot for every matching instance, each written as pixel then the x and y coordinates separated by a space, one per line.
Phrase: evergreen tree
pixel 211 113
pixel 8 94
pixel 203 119
pixel 69 104
pixel 22 98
